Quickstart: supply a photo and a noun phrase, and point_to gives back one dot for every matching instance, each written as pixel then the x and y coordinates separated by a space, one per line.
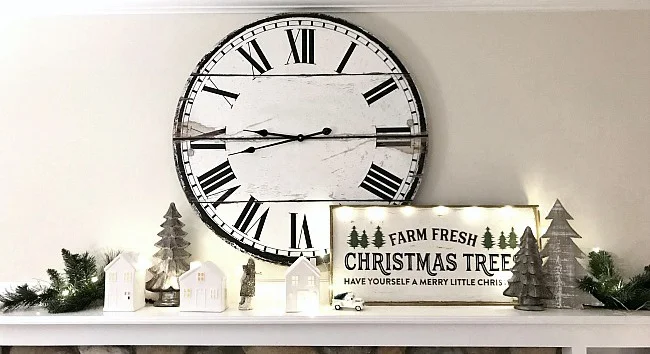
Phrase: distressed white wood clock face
pixel 288 116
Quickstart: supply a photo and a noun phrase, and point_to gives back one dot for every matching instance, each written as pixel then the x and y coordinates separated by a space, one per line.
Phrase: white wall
pixel 523 108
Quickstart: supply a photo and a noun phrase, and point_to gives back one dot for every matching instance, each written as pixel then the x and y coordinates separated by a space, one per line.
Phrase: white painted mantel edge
pixel 48 7
pixel 487 326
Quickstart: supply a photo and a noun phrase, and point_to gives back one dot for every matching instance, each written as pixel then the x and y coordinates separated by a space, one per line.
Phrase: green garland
pixel 608 286
pixel 81 287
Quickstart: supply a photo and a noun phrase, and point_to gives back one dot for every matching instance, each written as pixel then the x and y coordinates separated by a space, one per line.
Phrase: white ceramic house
pixel 124 284
pixel 302 286
pixel 203 288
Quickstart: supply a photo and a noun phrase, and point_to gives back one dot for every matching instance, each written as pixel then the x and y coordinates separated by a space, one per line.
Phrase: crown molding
pixel 78 7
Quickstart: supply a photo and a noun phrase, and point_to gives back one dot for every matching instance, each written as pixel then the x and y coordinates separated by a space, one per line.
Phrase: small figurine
pixel 247 286
pixel 347 300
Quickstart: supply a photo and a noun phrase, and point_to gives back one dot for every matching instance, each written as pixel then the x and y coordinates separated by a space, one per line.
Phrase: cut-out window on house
pixel 188 293
pixel 128 277
pixel 200 276
pixel 112 277
pixel 127 294
pixel 294 280
pixel 310 280
pixel 213 293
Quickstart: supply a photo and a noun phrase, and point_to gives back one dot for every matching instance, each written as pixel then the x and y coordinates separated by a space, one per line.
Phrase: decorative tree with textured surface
pixel 528 282
pixel 172 260
pixel 378 239
pixel 502 241
pixel 363 242
pixel 488 240
pixel 353 239
pixel 561 266
pixel 512 239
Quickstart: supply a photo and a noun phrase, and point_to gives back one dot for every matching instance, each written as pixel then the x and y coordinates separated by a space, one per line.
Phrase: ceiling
pixel 49 7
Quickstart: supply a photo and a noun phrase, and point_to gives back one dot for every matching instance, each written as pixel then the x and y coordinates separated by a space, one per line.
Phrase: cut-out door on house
pixel 200 297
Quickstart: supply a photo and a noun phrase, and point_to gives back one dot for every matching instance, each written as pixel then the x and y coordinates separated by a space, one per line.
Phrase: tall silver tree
pixel 561 267
pixel 172 260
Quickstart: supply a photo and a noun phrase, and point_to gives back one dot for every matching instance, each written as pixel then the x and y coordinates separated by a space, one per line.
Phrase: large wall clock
pixel 287 116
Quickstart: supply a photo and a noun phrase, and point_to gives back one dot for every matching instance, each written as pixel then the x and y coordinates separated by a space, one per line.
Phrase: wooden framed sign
pixel 429 255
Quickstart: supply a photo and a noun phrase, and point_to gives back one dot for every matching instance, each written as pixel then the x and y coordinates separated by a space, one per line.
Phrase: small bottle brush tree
pixel 527 282
pixel 172 260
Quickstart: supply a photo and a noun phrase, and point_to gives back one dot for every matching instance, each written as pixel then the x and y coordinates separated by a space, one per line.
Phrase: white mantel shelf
pixel 487 326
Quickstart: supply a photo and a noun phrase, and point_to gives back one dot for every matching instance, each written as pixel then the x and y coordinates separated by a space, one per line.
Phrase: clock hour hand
pixel 299 137
pixel 264 132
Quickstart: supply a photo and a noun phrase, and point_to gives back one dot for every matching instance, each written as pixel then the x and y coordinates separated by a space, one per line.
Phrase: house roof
pixel 205 266
pixel 130 259
pixel 301 262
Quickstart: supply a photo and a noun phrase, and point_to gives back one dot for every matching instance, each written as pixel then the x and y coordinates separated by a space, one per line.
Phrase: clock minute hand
pixel 299 137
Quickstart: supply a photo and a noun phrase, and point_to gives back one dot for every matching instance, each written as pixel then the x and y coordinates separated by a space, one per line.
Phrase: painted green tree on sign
pixel 363 242
pixel 353 239
pixel 502 241
pixel 378 240
pixel 512 239
pixel 488 240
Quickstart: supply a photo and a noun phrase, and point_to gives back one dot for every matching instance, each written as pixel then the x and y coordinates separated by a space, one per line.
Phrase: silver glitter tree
pixel 562 268
pixel 172 260
pixel 247 286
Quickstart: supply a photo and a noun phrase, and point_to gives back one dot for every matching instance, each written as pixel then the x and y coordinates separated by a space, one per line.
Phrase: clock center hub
pixel 305 109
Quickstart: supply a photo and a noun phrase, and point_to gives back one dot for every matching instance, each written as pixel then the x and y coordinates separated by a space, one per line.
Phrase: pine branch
pixel 22 297
pixel 55 279
pixel 78 267
pixel 608 287
pixel 81 288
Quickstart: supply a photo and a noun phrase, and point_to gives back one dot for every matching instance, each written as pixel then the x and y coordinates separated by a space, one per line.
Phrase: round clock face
pixel 288 116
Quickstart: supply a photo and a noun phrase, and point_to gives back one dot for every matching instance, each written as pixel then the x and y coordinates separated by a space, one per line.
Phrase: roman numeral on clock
pixel 380 91
pixel 216 177
pixel 224 195
pixel 392 136
pixel 381 183
pixel 227 95
pixel 307 45
pixel 245 219
pixel 207 146
pixel 304 230
pixel 261 68
pixel 346 57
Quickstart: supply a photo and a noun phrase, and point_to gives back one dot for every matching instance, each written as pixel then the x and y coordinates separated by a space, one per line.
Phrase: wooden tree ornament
pixel 562 268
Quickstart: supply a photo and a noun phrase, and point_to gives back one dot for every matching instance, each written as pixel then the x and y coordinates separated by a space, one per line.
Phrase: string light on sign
pixel 473 214
pixel 507 212
pixel 441 210
pixel 375 214
pixel 345 213
pixel 408 210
